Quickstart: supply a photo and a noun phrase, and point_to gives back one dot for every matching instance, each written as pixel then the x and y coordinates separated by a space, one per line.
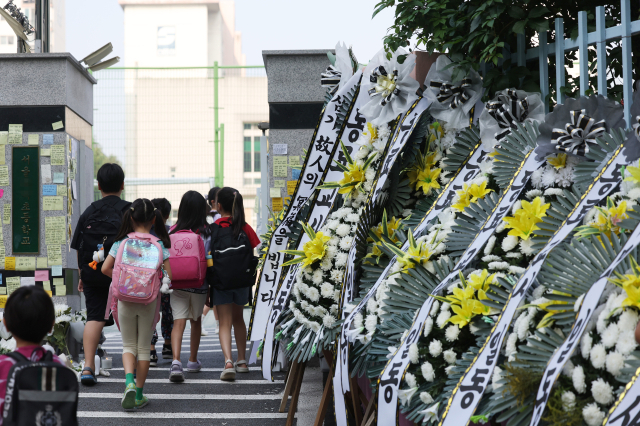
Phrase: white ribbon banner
pixel 466 173
pixel 389 380
pixel 468 392
pixel 324 201
pixel 323 147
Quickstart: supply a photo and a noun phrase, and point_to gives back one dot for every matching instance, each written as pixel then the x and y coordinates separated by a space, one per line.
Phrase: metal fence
pixel 180 129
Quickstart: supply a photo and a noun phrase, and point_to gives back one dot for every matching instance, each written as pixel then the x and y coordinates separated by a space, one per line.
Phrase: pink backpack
pixel 137 273
pixel 188 261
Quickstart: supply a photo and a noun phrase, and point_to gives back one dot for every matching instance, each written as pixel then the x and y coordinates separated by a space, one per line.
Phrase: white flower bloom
pixel 328 321
pixel 317 277
pixel 614 363
pixel 602 391
pixel 585 345
pixel 601 324
pixel 491 258
pixel 414 353
pixel 538 292
pixel 343 230
pixel 628 320
pixel 489 247
pixel 486 167
pixel 509 243
pixel 610 336
pixel 513 255
pixel 516 270
pixel 428 326
pixel 592 415
pixel 501 226
pixel 576 305
pixel 392 350
pixel 410 379
pixel 533 194
pixel 578 379
pixel 511 348
pixel 326 289
pixel 326 264
pixel 333 241
pixel 426 398
pixel 371 322
pixel 450 356
pixel 523 326
pixel 354 217
pixel 626 342
pixel 526 247
pixel 63 319
pixel 341 259
pixel 405 395
pixel 568 400
pixel 442 318
pixel 496 377
pixel 434 308
pixel 336 275
pixel 427 371
pixel 516 206
pixel 358 320
pixel 598 356
pixel 345 243
pixel 567 370
pixel 435 348
pixel 452 333
pixel 500 266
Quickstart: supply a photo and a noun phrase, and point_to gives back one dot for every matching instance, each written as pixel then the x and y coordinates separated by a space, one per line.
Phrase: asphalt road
pixel 201 400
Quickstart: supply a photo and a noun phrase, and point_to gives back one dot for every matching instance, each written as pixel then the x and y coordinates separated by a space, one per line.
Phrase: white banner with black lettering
pixel 390 378
pixel 318 215
pixel 626 410
pixel 322 150
pixel 468 171
pixel 468 392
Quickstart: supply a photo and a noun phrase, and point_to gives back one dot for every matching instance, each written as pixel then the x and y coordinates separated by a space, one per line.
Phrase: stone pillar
pixel 51 96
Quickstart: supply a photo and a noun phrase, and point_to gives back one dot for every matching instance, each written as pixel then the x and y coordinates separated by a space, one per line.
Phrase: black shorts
pixel 96 296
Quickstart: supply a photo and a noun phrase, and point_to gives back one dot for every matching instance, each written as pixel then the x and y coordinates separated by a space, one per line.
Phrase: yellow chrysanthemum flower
pixel 464 313
pixel 312 251
pixel 482 281
pixel 470 194
pixel 630 284
pixel 634 172
pixel 463 202
pixel 558 162
pixel 353 179
pixel 526 218
pixel 428 180
pixel 478 191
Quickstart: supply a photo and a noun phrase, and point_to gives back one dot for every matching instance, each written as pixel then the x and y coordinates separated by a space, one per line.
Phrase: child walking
pixel 232 244
pixel 136 263
pixel 189 266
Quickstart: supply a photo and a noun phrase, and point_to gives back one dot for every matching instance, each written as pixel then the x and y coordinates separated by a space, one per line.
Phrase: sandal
pixel 241 369
pixel 228 374
pixel 88 379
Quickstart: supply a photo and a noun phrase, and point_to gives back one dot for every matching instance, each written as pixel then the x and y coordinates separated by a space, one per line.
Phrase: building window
pixel 256 153
pixel 251 154
pixel 166 41
pixel 247 154
pixel 6 39
pixel 247 126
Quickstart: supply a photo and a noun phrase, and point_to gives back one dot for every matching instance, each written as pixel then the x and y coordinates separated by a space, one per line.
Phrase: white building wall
pixel 57 26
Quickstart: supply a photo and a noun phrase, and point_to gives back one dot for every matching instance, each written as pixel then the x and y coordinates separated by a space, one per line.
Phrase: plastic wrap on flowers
pixel 452 100
pixel 337 74
pixel 508 107
pixel 391 88
pixel 573 127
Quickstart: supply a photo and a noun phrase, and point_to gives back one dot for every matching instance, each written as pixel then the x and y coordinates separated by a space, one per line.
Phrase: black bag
pixel 42 393
pixel 100 227
pixel 234 265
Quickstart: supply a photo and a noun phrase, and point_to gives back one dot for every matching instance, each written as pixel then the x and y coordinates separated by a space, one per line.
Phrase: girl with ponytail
pixel 229 295
pixel 139 259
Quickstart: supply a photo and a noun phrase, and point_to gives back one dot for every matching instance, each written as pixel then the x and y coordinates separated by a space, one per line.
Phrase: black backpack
pixel 100 227
pixel 234 265
pixel 41 393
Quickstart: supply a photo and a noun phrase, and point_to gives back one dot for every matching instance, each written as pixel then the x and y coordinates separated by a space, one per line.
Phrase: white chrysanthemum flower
pixel 486 167
pixel 549 176
pixel 336 275
pixel 452 333
pixel 610 336
pixel 536 178
pixel 328 321
pixel 513 255
pixel 333 241
pixel 523 326
pixel 533 194
pixel 509 243
pixel 585 345
pixel 370 323
pixel 511 348
pixel 442 318
pixel 435 348
pixel 578 379
pixel 410 379
pixel 539 292
pixel 499 266
pixel 602 391
pixel 428 326
pixel 326 290
pixel 414 354
pixel 516 206
pixel 592 415
pixel 602 322
pixel 568 400
pixel 427 371
pixel 516 270
pixel 614 363
pixel 449 356
pixel 567 370
pixel 489 247
pixel 626 342
pixel 434 308
pixel 426 398
pixel 341 259
pixel 63 319
pixel 326 264
pixel 491 258
pixel 526 247
pixel 598 356
pixel 317 277
pixel 343 230
pixel 313 294
pixel 628 320
pixel 358 320
pixel 60 309
pixel 345 243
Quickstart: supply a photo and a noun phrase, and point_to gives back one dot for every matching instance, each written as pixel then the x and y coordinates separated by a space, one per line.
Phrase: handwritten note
pixel 294 161
pixel 279 183
pixel 6 214
pixel 4 175
pixel 57 125
pixel 58 177
pixel 45 171
pixel 2 156
pixel 34 139
pixel 291 186
pixel 56 270
pixel 295 173
pixel 49 190
pixel 57 155
pixel 42 275
pixel 280 149
pixel 62 190
pixel 279 166
pixel 52 203
pixel 276 204
pixel 15 133
pixel 4 138
pixel 61 290
pixel 24 281
pixel 41 263
pixel 3 291
pixel 46 285
pixel 47 139
pixel 25 263
pixel 54 255
pixel 10 263
pixel 54 230
pixel 45 152
pixel 13 283
pixel 274 192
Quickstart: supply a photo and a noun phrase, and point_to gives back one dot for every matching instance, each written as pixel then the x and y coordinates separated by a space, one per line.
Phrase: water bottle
pixel 97 361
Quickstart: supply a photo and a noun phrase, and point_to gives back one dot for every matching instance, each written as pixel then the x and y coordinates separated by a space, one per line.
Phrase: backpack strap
pixel 18 357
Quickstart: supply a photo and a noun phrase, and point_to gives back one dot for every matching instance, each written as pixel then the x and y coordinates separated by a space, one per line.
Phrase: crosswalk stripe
pixel 139 414
pixel 184 345
pixel 119 350
pixel 205 370
pixel 191 396
pixel 198 381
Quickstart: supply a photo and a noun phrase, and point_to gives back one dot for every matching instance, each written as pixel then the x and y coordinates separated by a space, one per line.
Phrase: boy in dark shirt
pixel 99 224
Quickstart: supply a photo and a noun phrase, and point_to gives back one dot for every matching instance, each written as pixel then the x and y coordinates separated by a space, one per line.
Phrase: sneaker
pixel 204 332
pixel 129 397
pixel 153 360
pixel 141 403
pixel 167 352
pixel 194 367
pixel 176 375
pixel 216 330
